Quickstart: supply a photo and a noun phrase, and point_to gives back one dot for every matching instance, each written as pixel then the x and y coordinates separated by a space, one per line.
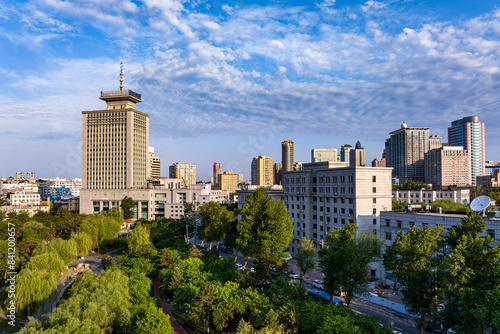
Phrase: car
pixel 287 258
pixel 318 284
pixel 294 276
pixel 239 265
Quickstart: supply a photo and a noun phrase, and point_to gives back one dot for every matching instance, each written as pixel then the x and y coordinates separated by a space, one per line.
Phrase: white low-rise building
pixel 25 198
pixel 458 195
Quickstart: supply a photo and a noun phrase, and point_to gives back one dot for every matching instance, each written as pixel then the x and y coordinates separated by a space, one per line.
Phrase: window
pixel 411 224
pixel 327 219
pixel 374 211
pixel 374 221
pixel 374 190
pixel 342 221
pixel 491 233
pixel 400 223
pixel 374 178
pixel 315 226
pixel 387 222
pixel 374 232
pixel 388 236
pixel 374 201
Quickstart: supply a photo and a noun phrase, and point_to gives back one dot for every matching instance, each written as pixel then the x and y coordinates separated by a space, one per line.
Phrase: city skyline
pixel 229 83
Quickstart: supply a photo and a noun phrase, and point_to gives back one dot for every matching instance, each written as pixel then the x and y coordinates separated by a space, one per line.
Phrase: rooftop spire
pixel 121 75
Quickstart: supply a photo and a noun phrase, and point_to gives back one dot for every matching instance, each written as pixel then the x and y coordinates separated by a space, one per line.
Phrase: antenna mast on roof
pixel 121 75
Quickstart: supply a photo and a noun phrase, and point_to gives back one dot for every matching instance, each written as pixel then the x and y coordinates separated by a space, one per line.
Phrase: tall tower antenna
pixel 121 75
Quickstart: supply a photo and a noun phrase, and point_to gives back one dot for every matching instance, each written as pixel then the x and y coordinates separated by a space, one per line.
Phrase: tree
pixel 449 205
pixel 213 217
pixel 138 241
pixel 151 319
pixel 477 191
pixel 473 284
pixel 471 225
pixel 331 259
pixel 265 228
pixel 128 206
pixel 307 259
pixel 397 205
pixel 414 258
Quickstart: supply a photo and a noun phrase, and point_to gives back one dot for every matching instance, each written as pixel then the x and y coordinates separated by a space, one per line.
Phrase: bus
pixel 323 297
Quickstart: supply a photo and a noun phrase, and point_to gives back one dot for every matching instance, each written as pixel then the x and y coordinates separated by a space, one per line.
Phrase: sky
pixel 225 81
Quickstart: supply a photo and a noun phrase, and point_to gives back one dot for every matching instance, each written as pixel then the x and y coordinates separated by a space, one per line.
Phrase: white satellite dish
pixel 480 203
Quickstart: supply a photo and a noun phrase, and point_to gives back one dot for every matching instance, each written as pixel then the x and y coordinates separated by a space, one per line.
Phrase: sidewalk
pixel 159 293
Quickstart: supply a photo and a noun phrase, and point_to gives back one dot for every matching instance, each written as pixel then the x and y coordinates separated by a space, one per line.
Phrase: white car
pixel 294 276
pixel 318 284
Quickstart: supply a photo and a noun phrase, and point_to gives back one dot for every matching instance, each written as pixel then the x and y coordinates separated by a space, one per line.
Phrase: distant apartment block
pixel 323 154
pixel 448 166
pixel 458 195
pixel 489 181
pixel 218 170
pixel 357 156
pixel 57 187
pixel 24 198
pixel 344 152
pixel 183 171
pixel 263 171
pixel 19 176
pixel 435 142
pixel 378 163
pixel 468 132
pixel 278 172
pixel 287 155
pixel 228 181
pixel 408 146
pixel 154 163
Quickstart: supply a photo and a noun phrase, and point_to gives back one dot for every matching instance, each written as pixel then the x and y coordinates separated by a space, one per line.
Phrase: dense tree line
pixel 452 278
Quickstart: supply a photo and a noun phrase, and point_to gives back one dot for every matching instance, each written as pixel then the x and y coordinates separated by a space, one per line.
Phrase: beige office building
pixel 115 143
pixel 184 171
pixel 263 171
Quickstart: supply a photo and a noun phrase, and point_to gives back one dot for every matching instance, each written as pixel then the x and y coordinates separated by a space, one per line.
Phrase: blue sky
pixel 228 80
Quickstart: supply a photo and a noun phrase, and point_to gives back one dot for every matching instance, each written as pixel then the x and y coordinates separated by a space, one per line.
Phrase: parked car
pixel 318 284
pixel 294 276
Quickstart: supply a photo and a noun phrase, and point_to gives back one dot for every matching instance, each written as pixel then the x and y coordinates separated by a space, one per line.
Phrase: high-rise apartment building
pixel 469 133
pixel 263 171
pixel 228 181
pixel 448 166
pixel 154 164
pixel 115 143
pixel 323 154
pixel 278 172
pixel 408 146
pixel 344 152
pixel 30 176
pixel 435 142
pixel 378 163
pixel 357 156
pixel 287 155
pixel 19 176
pixel 183 171
pixel 217 172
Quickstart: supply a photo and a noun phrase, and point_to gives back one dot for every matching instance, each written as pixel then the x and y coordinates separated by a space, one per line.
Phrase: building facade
pixel 378 163
pixel 323 154
pixel 468 132
pixel 435 142
pixel 489 181
pixel 320 199
pixel 278 172
pixel 25 198
pixel 263 171
pixel 19 176
pixel 287 155
pixel 345 152
pixel 447 166
pixel 408 146
pixel 183 171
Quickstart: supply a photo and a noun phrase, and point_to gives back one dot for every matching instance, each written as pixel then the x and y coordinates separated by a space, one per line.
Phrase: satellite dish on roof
pixel 480 203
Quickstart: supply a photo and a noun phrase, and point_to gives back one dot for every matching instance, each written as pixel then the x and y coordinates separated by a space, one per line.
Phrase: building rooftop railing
pixel 121 93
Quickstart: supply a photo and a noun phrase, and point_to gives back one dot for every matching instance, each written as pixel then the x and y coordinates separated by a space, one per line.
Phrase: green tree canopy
pixel 128 206
pixel 265 228
pixel 307 257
